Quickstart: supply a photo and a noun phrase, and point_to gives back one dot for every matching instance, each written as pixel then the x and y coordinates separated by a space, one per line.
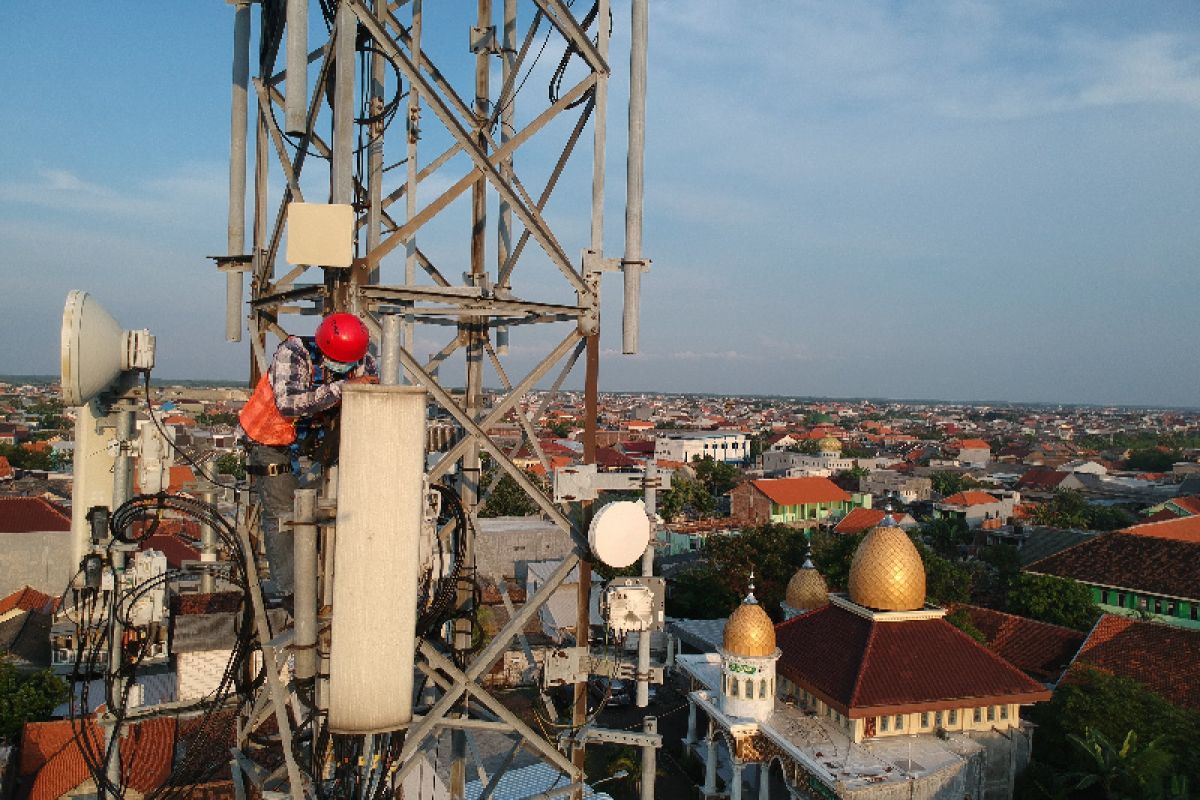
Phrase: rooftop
pixel 801 491
pixel 864 667
pixel 1151 564
pixel 27 514
pixel 1163 658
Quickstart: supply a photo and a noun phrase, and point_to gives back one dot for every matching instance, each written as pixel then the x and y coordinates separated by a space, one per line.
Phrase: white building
pixel 687 446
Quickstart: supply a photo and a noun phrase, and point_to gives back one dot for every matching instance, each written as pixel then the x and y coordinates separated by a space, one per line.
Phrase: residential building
pixel 907 488
pixel 978 509
pixel 686 446
pixel 1151 569
pixel 803 502
pixel 35 545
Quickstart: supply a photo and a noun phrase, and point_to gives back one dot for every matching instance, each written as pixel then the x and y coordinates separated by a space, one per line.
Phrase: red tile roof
pixel 970 498
pixel 1149 564
pixel 859 520
pixel 974 444
pixel 213 603
pixel 52 764
pixel 1163 658
pixel 174 548
pixel 865 667
pixel 26 599
pixel 613 459
pixel 1042 479
pixel 1180 529
pixel 26 514
pixel 801 491
pixel 1037 648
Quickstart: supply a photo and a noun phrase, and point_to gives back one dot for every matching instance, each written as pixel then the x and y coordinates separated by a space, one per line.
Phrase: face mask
pixel 340 367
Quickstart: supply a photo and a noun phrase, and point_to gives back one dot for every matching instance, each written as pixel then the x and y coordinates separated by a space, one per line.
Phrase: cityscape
pixel 1062 541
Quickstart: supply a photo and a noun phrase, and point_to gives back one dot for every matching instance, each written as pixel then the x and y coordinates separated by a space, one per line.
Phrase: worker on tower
pixel 293 412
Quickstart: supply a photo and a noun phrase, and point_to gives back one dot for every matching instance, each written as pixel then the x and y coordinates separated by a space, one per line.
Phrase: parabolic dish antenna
pixel 619 533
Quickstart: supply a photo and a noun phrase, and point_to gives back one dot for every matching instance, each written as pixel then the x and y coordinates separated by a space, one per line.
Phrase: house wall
pixel 1171 610
pixel 41 559
pixel 748 503
pixel 719 445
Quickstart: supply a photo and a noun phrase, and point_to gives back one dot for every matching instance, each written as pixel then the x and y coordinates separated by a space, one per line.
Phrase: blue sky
pixel 961 200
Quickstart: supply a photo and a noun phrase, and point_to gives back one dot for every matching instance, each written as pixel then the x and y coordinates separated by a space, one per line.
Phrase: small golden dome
pixel 830 443
pixel 749 631
pixel 887 573
pixel 807 589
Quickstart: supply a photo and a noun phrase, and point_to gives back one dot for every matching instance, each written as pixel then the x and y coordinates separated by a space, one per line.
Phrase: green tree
pixel 1129 771
pixel 947 483
pixel 1152 459
pixel 27 698
pixel 856 472
pixel 946 582
pixel 686 495
pixel 231 464
pixel 1059 601
pixel 698 594
pixel 945 536
pixel 717 477
pixel 772 552
pixel 507 498
pixel 1112 706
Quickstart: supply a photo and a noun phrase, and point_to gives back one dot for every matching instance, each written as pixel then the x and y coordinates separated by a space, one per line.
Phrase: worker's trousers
pixel 276 494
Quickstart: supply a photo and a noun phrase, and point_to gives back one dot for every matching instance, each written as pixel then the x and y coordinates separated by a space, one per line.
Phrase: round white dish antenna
pixel 96 351
pixel 620 533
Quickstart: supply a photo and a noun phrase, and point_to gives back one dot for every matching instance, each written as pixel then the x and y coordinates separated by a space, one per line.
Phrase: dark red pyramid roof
pixel 864 667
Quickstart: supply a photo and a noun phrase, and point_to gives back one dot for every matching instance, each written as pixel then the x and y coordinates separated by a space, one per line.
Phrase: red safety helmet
pixel 343 337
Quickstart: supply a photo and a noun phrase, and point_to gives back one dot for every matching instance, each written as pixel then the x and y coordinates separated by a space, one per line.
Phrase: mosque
pixel 868 694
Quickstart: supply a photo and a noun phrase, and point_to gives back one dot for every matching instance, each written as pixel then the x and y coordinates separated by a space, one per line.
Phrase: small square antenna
pixel 320 234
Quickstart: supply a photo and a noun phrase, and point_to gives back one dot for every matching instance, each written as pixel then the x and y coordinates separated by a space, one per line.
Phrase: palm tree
pixel 1125 773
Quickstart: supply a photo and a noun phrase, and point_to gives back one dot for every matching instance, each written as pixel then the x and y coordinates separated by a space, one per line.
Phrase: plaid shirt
pixel 291 376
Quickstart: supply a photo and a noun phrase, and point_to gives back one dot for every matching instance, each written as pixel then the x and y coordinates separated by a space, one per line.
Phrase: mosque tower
pixel 748 656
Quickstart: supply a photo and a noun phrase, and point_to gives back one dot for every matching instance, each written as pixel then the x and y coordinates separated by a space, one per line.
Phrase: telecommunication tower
pixel 405 144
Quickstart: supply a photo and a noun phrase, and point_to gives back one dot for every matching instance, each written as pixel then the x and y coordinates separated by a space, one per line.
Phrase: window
pixel 749 689
pixel 733 692
pixel 899 722
pixel 991 713
pixel 1104 596
pixel 979 715
pixel 1121 599
pixel 1158 605
pixel 762 689
pixel 1195 612
pixel 937 719
pixel 953 717
pixel 883 724
pixel 924 719
pixel 1004 712
pixel 1170 608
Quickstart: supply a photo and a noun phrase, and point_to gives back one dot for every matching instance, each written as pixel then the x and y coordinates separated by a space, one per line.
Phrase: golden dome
pixel 887 573
pixel 807 588
pixel 830 443
pixel 749 631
